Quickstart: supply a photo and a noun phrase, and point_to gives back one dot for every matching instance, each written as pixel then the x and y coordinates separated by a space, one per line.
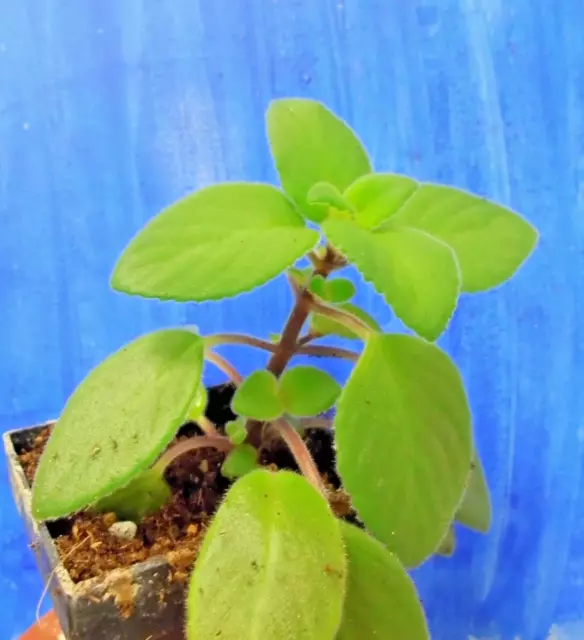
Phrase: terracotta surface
pixel 47 628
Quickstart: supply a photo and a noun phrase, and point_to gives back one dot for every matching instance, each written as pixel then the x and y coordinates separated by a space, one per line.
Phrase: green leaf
pixel 378 196
pixel 301 276
pixel 339 290
pixel 310 145
pixel 197 409
pixel 325 193
pixel 381 601
pixel 448 545
pixel 206 246
pixel 257 397
pixel 325 326
pixel 475 511
pixel 404 443
pixel 490 241
pixel 417 274
pixel 307 391
pixel 271 566
pixel 318 286
pixel 118 421
pixel 144 495
pixel 240 461
pixel 236 431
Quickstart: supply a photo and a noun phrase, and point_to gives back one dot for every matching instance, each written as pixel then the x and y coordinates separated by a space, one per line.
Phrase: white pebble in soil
pixel 124 530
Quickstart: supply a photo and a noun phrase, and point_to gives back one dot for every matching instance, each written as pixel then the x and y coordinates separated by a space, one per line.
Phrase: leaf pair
pixel 301 391
pixel 276 564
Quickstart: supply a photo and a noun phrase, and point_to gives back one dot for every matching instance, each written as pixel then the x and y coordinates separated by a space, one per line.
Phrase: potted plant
pixel 299 526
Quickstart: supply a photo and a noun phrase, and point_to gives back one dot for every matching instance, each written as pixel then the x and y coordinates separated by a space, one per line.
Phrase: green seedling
pixel 276 562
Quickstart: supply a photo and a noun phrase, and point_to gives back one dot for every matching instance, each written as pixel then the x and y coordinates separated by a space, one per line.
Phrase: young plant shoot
pixel 276 562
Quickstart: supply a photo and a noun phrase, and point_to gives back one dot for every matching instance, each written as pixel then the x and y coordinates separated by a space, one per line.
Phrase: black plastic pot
pixel 97 609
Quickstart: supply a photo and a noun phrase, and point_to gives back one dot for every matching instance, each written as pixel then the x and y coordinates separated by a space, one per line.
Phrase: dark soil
pixel 87 548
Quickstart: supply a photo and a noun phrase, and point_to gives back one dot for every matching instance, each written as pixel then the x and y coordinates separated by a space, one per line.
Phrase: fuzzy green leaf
pixel 325 193
pixel 381 601
pixel 323 325
pixel 271 566
pixel 236 431
pixel 143 496
pixel 301 276
pixel 241 460
pixel 378 196
pixel 417 274
pixel 339 290
pixel 310 145
pixel 118 421
pixel 257 397
pixel 475 511
pixel 307 391
pixel 490 241
pixel 318 286
pixel 206 246
pixel 404 443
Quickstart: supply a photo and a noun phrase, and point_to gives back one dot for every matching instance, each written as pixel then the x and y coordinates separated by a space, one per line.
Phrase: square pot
pixel 141 602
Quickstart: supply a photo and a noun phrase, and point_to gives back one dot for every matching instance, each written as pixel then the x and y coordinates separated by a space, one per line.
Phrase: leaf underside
pixel 118 421
pixel 404 443
pixel 475 511
pixel 271 566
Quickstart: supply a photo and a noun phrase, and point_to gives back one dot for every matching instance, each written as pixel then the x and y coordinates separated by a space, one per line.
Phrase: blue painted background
pixel 110 109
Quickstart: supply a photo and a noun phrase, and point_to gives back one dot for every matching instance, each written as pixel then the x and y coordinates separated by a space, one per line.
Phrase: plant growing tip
pixel 275 562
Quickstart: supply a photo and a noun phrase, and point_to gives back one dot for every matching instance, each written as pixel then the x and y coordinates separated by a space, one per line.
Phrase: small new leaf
pixel 271 566
pixel 404 443
pixel 144 495
pixel 381 600
pixel 323 325
pixel 339 290
pixel 310 145
pixel 197 409
pixel 240 461
pixel 307 391
pixel 118 420
pixel 325 193
pixel 257 397
pixel 475 511
pixel 378 196
pixel 206 246
pixel 236 431
pixel 417 274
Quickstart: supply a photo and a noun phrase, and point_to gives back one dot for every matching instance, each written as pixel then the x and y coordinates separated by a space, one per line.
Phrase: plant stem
pixel 357 326
pixel 301 349
pixel 309 337
pixel 221 443
pixel 328 352
pixel 217 339
pixel 224 365
pixel 207 427
pixel 300 452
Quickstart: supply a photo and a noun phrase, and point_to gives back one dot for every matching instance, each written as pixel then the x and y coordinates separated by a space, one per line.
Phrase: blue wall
pixel 110 109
